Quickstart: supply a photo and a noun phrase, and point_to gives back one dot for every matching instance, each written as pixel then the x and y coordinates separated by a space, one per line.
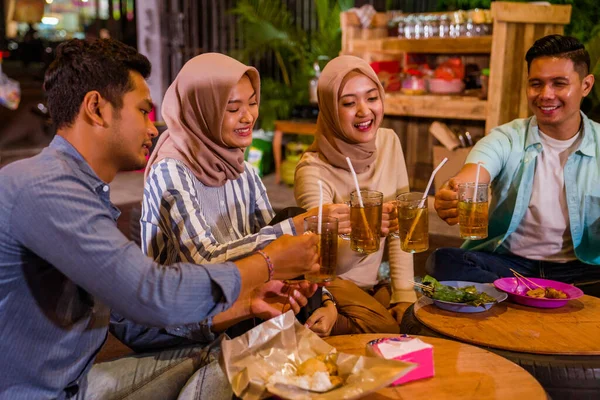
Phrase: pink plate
pixel 516 290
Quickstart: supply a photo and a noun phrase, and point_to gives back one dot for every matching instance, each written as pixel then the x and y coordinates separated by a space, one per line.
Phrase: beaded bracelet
pixel 269 264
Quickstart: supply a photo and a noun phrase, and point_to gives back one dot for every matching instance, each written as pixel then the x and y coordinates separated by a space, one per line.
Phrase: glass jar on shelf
pixel 401 27
pixel 431 26
pixel 469 28
pixel 409 27
pixel 444 27
pixel 413 82
pixel 419 24
pixel 458 27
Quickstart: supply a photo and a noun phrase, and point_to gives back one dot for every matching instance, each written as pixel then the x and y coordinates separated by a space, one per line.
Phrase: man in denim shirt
pixel 64 264
pixel 544 216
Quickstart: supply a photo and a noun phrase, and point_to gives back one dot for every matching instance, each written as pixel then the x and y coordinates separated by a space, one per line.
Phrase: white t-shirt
pixel 545 232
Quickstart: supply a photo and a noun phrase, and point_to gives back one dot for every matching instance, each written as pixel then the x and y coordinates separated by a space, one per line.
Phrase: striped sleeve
pixel 174 227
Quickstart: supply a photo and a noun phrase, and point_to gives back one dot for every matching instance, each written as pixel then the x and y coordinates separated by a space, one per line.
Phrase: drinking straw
pixel 475 190
pixel 440 165
pixel 422 203
pixel 476 182
pixel 360 200
pixel 320 214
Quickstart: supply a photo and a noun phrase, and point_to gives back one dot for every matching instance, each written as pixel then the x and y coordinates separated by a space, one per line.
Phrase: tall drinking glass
pixel 473 210
pixel 413 222
pixel 365 222
pixel 327 247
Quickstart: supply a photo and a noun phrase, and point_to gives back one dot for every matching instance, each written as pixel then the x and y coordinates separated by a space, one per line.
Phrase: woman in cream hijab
pixel 202 203
pixel 350 115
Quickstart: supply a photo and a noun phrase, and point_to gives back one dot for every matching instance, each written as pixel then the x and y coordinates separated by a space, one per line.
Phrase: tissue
pixel 407 349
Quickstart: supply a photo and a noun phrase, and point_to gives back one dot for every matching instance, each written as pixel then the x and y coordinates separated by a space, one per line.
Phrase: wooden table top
pixel 570 330
pixel 461 372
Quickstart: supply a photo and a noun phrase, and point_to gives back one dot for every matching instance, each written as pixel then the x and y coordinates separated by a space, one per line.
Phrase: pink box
pixel 407 349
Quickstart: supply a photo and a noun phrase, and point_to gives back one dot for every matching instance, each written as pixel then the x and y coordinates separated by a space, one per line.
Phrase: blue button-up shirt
pixel 509 154
pixel 64 264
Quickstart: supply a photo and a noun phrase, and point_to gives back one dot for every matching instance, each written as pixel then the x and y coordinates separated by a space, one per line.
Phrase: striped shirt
pixel 182 219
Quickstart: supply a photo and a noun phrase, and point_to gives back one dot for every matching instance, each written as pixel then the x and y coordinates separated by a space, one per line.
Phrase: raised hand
pixel 342 213
pixel 389 218
pixel 293 256
pixel 446 202
pixel 339 211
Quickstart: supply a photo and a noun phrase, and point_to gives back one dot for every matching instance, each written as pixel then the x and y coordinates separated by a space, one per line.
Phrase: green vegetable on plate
pixel 467 295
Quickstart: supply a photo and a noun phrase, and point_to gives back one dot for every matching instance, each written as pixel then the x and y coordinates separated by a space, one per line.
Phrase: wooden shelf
pixel 516 27
pixel 436 106
pixel 391 45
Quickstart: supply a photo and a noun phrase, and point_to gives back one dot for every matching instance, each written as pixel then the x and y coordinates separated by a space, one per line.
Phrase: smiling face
pixel 240 115
pixel 360 108
pixel 554 93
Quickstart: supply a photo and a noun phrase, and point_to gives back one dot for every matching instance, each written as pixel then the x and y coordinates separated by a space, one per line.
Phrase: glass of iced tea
pixel 473 210
pixel 413 222
pixel 327 247
pixel 365 222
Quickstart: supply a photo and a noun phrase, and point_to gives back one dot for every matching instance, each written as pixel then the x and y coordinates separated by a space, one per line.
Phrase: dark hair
pixel 81 66
pixel 562 47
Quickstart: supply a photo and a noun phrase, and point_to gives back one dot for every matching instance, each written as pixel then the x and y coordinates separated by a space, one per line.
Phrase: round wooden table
pixel 570 330
pixel 461 372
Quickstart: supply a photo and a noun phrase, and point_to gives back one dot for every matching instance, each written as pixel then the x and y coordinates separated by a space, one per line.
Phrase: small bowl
pixel 442 86
pixel 466 308
pixel 517 292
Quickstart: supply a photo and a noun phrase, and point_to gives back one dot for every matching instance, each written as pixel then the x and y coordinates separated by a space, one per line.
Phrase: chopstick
pixel 518 275
pixel 419 285
pixel 519 279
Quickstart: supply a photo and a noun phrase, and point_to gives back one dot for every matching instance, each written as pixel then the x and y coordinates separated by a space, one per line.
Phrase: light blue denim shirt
pixel 509 154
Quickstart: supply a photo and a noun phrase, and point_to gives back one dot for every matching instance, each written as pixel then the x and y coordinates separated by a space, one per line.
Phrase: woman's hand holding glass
pixel 342 213
pixel 389 219
pixel 339 211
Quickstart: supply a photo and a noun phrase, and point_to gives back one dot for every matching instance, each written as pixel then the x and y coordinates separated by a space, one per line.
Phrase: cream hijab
pixel 330 141
pixel 193 109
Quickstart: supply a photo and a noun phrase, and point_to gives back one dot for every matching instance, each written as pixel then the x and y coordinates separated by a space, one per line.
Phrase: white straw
pixel 440 165
pixel 360 201
pixel 476 182
pixel 320 215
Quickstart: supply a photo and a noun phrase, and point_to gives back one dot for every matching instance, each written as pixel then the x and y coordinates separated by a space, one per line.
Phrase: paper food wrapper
pixel 280 345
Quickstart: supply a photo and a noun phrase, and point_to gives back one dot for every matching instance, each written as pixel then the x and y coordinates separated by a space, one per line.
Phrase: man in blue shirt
pixel 544 216
pixel 64 264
